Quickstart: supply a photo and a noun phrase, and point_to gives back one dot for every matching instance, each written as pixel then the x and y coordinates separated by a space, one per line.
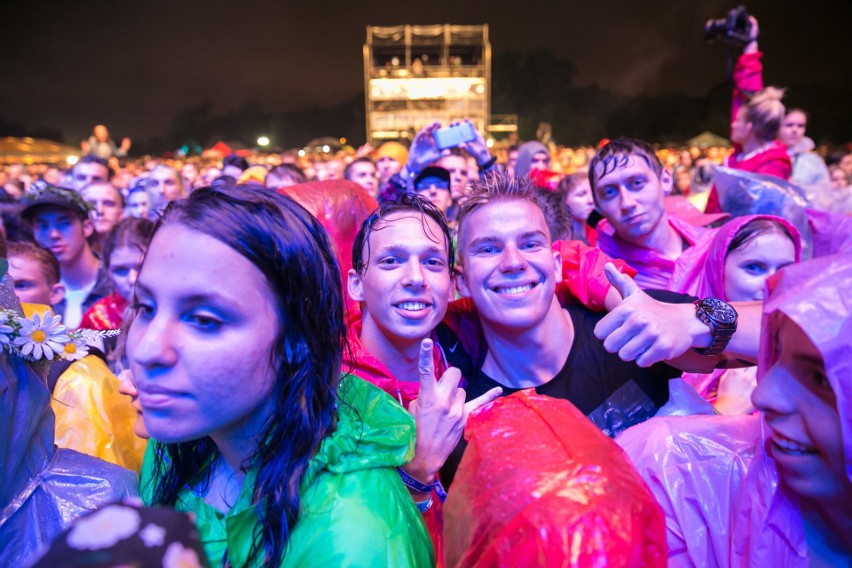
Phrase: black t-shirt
pixel 614 394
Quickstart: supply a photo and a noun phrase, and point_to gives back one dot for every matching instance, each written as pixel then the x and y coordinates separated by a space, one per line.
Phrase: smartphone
pixel 452 136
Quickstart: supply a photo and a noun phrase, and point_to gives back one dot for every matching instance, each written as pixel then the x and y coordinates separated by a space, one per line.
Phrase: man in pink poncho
pixel 629 184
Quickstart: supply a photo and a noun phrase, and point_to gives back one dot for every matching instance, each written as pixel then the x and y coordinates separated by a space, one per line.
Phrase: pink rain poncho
pixel 655 271
pixel 707 279
pixel 540 485
pixel 712 475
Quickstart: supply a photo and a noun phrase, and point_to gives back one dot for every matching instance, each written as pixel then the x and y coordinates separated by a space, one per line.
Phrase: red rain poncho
pixel 540 485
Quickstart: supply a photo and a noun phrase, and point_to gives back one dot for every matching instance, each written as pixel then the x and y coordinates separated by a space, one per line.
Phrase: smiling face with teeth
pixel 405 286
pixel 507 266
pixel 800 408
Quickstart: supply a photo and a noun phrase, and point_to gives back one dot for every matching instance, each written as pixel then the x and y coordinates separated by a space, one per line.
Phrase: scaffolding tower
pixel 417 75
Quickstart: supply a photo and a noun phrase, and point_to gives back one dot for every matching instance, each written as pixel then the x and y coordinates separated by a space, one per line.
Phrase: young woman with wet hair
pixel 236 352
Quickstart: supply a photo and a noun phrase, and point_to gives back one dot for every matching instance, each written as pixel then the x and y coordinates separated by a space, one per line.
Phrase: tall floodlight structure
pixel 417 75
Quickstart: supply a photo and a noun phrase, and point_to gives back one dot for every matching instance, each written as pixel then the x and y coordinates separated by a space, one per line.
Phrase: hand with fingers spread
pixel 440 412
pixel 646 330
pixel 423 150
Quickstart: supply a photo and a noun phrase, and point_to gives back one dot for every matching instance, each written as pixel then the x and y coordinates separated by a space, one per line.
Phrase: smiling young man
pixel 510 271
pixel 61 224
pixel 629 184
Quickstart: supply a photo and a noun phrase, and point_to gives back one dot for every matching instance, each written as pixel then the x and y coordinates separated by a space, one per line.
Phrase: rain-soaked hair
pixel 407 203
pixel 616 154
pixel 501 187
pixel 295 255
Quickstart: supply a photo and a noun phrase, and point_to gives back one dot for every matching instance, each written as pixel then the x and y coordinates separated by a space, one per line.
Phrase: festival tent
pixel 708 139
pixel 221 149
pixel 35 151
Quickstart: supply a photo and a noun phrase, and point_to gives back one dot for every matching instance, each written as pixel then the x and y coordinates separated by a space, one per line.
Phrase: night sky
pixel 135 65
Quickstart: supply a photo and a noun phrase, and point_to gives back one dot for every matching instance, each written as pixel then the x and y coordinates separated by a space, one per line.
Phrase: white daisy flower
pixel 178 556
pixel 74 350
pixel 41 337
pixel 6 331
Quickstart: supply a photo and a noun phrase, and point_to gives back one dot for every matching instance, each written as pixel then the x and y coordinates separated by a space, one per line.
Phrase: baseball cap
pixel 41 193
pixel 433 175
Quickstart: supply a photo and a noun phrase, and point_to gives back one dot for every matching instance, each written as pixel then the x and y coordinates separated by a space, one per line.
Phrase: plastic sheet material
pixel 340 206
pixel 93 418
pixel 707 278
pixel 719 491
pixel 746 193
pixel 718 486
pixel 42 489
pixel 815 296
pixel 832 233
pixel 540 485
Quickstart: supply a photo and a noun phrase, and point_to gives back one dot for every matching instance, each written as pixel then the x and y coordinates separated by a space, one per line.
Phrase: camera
pixel 734 28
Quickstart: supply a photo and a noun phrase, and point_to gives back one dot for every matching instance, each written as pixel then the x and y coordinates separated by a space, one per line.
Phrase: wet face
pixel 86 173
pixel 540 161
pixel 793 128
pixel 457 166
pixel 507 266
pixel 106 206
pixel 364 174
pixel 406 283
pixel 580 202
pixel 748 267
pixel 800 409
pixel 630 197
pixel 200 347
pixel 31 284
pixel 124 265
pixel 62 232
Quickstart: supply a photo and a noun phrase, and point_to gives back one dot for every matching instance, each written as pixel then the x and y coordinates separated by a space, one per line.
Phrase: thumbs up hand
pixel 641 328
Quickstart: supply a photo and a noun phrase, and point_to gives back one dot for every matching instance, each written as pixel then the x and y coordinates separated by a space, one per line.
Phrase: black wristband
pixel 488 165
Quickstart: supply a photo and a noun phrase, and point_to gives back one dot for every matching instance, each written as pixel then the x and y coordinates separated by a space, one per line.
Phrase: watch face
pixel 720 311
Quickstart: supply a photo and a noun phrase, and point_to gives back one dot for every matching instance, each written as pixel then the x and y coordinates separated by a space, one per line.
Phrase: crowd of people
pixel 418 356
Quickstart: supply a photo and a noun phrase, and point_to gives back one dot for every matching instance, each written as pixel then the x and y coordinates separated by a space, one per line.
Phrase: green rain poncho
pixel 355 509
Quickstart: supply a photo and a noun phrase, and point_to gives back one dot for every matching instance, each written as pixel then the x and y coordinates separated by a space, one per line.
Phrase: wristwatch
pixel 721 317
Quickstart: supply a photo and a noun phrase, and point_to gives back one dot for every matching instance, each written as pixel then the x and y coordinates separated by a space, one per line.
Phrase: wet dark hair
pixel 130 232
pixel 48 265
pixel 407 203
pixel 498 186
pixel 754 229
pixel 616 154
pixel 295 255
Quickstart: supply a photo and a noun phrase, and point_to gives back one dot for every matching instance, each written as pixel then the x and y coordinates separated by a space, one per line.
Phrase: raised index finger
pixel 426 367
